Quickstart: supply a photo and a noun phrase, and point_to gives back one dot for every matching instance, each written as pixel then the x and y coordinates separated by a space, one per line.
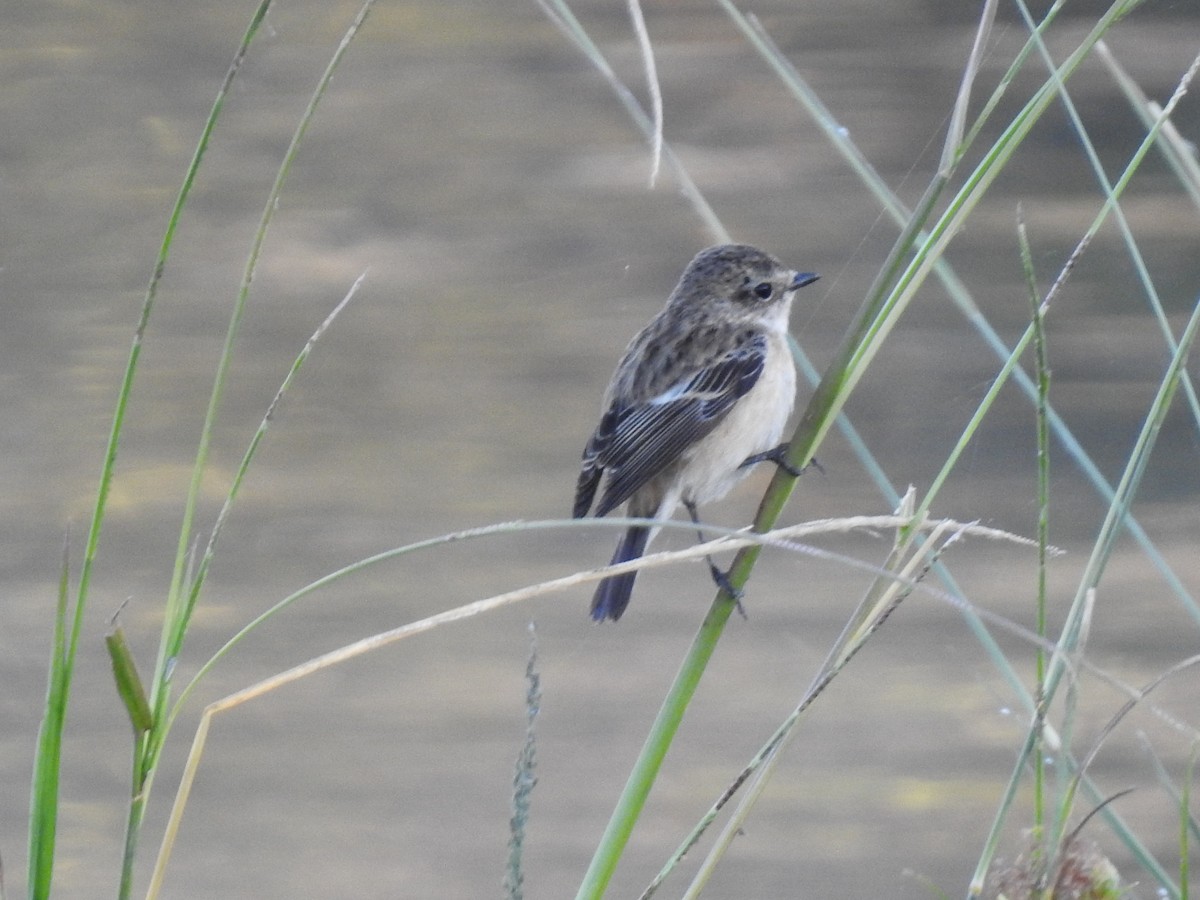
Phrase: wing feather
pixel 636 441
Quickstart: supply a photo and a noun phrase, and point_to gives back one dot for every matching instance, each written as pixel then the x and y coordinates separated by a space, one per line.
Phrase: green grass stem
pixel 1186 823
pixel 524 779
pixel 43 811
pixel 1042 370
pixel 645 770
pixel 1178 153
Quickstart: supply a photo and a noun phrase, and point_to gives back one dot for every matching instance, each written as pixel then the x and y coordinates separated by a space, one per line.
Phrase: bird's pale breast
pixel 755 424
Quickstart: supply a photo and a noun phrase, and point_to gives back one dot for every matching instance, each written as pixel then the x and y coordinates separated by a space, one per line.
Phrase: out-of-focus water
pixel 478 168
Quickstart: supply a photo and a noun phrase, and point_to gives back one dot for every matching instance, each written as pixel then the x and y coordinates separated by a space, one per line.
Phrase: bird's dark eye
pixel 763 290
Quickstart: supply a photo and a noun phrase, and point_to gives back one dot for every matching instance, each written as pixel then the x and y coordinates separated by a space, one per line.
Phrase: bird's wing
pixel 635 442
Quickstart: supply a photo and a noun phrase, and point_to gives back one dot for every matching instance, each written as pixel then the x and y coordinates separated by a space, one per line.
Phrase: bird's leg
pixel 721 579
pixel 778 455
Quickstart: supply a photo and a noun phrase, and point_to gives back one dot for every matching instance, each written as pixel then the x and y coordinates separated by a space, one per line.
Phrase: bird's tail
pixel 612 594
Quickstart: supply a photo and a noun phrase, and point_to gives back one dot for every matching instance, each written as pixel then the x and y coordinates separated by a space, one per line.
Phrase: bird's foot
pixel 778 455
pixel 721 579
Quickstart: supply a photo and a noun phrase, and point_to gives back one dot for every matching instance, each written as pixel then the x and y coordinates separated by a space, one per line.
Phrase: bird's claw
pixel 721 579
pixel 778 455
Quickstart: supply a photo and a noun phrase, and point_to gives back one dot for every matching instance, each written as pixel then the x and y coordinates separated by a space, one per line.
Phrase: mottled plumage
pixel 707 384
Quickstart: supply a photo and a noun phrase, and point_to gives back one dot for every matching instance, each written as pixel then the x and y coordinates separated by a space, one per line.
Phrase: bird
pixel 701 393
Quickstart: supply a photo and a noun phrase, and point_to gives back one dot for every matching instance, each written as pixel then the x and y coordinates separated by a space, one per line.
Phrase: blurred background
pixel 473 162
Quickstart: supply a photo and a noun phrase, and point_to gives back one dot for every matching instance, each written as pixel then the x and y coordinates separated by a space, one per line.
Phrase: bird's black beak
pixel 800 279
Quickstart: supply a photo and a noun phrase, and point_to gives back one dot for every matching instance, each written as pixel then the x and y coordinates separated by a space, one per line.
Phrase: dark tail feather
pixel 612 594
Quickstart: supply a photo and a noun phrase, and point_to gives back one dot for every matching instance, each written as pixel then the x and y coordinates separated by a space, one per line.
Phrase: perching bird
pixel 702 392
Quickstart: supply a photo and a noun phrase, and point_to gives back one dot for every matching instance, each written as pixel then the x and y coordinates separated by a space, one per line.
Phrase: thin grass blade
pixel 47 761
